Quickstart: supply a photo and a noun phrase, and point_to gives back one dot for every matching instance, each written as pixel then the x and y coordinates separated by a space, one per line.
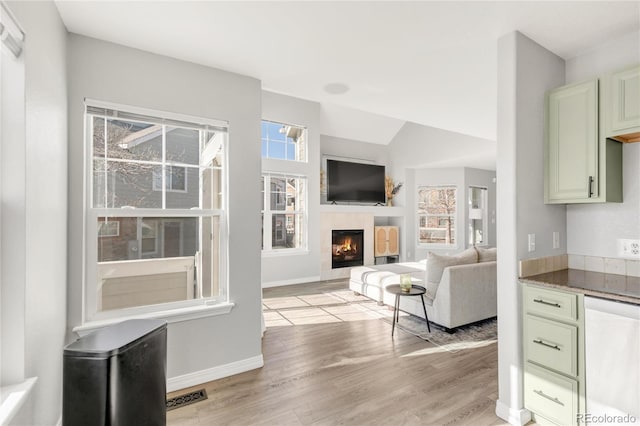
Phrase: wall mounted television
pixel 349 181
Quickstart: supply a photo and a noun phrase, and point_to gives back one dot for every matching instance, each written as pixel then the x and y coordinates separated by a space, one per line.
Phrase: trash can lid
pixel 113 339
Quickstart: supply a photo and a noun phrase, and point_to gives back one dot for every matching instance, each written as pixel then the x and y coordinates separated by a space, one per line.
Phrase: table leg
pixel 395 315
pixel 426 318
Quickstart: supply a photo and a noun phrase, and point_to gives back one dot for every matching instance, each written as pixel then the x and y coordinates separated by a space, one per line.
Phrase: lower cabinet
pixel 553 339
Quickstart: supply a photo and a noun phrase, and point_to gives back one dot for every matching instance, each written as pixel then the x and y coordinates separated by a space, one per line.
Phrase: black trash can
pixel 116 376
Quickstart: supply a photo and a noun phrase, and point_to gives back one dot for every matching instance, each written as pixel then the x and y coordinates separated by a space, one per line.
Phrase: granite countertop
pixel 621 288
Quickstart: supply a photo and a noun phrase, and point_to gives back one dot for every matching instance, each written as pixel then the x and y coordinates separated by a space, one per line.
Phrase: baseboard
pixel 215 373
pixel 291 282
pixel 513 416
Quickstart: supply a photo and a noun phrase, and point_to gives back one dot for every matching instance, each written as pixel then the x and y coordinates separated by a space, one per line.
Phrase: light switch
pixel 532 242
pixel 556 239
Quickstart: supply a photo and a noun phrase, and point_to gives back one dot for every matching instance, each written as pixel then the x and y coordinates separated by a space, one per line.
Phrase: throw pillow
pixel 486 254
pixel 436 264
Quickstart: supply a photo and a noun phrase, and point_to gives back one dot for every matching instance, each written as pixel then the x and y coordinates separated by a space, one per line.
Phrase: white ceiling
pixel 432 63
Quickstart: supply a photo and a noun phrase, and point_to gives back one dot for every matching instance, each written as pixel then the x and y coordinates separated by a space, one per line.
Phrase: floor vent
pixel 186 399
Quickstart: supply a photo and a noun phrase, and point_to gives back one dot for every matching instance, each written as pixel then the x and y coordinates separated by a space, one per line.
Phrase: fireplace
pixel 347 248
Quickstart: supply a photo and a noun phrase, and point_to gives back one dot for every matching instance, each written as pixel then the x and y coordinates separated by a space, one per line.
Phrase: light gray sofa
pixel 465 294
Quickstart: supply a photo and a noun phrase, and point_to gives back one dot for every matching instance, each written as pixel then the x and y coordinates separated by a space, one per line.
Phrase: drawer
pixel 551 303
pixel 551 344
pixel 550 395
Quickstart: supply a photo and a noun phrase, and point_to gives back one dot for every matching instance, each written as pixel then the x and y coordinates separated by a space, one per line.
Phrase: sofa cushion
pixel 486 254
pixel 437 263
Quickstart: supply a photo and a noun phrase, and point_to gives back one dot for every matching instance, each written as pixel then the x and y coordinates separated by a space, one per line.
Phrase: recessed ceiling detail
pixel 336 88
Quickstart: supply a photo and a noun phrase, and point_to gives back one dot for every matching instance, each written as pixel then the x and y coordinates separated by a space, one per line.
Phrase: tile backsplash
pixel 607 265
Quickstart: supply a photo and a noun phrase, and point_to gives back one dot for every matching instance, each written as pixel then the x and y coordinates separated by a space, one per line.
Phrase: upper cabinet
pixel 572 143
pixel 585 126
pixel 622 97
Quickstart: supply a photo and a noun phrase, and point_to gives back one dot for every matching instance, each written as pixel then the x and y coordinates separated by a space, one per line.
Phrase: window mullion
pixel 164 170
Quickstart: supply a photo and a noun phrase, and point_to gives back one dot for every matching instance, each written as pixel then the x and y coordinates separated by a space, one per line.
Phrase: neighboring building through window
pixel 155 211
pixel 283 141
pixel 437 215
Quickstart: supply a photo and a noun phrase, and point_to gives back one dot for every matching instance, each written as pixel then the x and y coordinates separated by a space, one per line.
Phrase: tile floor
pixel 334 306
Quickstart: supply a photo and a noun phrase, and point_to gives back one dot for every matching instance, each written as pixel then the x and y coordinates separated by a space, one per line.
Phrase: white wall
pixel 114 73
pixel 45 221
pixel 610 221
pixel 525 72
pixel 278 269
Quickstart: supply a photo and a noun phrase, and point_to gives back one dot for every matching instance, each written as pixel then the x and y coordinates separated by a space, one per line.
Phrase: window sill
pixel 171 316
pixel 285 252
pixel 13 397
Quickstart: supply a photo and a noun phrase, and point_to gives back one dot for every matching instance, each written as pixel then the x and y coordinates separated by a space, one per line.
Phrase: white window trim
pixel 169 315
pixel 187 309
pixel 268 250
pixel 436 246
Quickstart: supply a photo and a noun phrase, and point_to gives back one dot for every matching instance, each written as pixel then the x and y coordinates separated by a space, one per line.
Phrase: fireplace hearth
pixel 347 248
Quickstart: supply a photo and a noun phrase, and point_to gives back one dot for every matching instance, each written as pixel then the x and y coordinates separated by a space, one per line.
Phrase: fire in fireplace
pixel 347 248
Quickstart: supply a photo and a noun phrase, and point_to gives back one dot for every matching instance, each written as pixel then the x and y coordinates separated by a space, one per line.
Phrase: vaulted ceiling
pixel 372 65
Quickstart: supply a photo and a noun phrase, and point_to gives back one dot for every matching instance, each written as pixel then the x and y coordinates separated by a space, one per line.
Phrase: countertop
pixel 619 288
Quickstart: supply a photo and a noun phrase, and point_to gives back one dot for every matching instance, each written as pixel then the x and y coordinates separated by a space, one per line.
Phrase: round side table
pixel 416 290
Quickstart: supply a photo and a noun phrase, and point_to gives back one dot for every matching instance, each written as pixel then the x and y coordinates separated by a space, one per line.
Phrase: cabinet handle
pixel 544 302
pixel 540 342
pixel 590 186
pixel 542 394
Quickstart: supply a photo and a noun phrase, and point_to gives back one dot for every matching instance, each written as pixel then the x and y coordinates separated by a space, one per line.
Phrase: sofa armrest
pixel 467 293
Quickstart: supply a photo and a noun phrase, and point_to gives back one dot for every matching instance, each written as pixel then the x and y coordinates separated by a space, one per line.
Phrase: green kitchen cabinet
pixel 581 165
pixel 621 95
pixel 554 358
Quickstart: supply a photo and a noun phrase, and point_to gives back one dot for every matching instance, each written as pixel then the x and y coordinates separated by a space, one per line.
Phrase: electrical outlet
pixel 532 242
pixel 629 248
pixel 556 240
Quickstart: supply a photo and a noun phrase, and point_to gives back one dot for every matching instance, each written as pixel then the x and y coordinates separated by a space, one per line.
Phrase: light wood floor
pixel 351 373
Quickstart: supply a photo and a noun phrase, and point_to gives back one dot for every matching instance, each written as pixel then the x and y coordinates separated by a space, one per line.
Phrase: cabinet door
pixel 624 101
pixel 386 241
pixel 571 157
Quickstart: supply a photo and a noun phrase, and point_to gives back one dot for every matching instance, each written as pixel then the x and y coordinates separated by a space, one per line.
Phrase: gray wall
pixel 299 267
pixel 357 150
pixel 114 73
pixel 45 221
pixel 610 221
pixel 526 71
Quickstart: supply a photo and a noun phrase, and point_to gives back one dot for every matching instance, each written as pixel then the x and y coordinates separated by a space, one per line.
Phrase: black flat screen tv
pixel 355 182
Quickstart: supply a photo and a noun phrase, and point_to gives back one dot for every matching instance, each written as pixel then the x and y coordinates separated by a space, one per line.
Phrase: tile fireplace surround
pixel 343 221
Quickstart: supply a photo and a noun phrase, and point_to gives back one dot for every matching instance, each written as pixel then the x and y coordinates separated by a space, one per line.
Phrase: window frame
pixel 453 215
pixel 267 215
pixel 190 308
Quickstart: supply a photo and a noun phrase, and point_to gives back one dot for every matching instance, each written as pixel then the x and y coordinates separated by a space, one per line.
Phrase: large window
pixel 155 211
pixel 437 215
pixel 283 212
pixel 283 141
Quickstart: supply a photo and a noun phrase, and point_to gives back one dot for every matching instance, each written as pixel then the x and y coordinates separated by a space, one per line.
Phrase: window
pixel 437 215
pixel 283 141
pixel 477 216
pixel 284 220
pixel 155 211
pixel 175 179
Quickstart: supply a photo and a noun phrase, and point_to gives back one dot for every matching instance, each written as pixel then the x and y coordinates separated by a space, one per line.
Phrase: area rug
pixel 467 337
